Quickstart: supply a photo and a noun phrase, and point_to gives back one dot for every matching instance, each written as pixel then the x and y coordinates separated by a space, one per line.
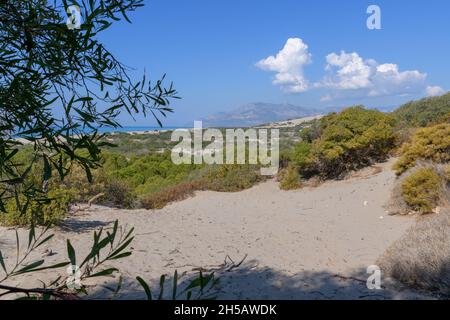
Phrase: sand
pixel 312 243
pixel 290 123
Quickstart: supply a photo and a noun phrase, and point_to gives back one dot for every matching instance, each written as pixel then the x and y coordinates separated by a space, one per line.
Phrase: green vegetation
pixel 427 144
pixel 329 148
pixel 154 180
pixel 146 181
pixel 289 178
pixel 231 178
pixel 58 87
pixel 48 211
pixel 424 112
pixel 129 144
pixel 49 68
pixel 351 139
pixel 201 287
pixel 301 155
pixel 422 189
pixel 186 179
pixel 107 247
pixel 312 132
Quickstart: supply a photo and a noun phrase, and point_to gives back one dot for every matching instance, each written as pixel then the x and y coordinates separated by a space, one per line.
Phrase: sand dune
pixel 313 243
pixel 290 123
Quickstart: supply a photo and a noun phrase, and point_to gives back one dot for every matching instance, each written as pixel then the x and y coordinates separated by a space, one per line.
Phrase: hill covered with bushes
pixel 424 112
pixel 325 148
pixel 341 142
pixel 418 132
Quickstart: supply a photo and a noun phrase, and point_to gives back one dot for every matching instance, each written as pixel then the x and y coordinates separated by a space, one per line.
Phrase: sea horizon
pixel 136 129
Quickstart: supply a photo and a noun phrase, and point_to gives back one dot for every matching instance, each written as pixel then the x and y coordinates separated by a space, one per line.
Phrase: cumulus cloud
pixel 352 71
pixel 434 91
pixel 347 75
pixel 288 64
pixel 366 77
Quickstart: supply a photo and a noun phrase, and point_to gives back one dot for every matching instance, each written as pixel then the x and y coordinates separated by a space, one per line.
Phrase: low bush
pixel 160 199
pixel 421 258
pixel 431 143
pixel 289 178
pixel 301 155
pixel 78 181
pixel 422 190
pixel 150 181
pixel 223 178
pixel 349 140
pixel 423 112
pixel 120 194
pixel 312 132
pixel 48 212
pixel 231 178
pixel 444 119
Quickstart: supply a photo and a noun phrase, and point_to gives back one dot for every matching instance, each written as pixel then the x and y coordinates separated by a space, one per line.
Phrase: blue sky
pixel 218 52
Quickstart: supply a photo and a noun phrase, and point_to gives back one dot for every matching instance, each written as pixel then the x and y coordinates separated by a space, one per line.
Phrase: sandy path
pixel 295 241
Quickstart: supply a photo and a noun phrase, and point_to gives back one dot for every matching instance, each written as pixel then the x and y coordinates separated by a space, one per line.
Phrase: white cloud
pixel 348 72
pixel 288 65
pixel 434 91
pixel 352 73
pixel 348 75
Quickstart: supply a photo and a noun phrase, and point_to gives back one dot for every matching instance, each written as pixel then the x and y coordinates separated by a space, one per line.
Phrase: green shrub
pixel 424 112
pixel 445 118
pixel 285 157
pixel 313 132
pixel 289 178
pixel 351 139
pixel 84 190
pixel 223 178
pixel 432 143
pixel 150 180
pixel 231 178
pixel 120 193
pixel 421 190
pixel 48 212
pixel 301 155
pixel 113 161
pixel 152 173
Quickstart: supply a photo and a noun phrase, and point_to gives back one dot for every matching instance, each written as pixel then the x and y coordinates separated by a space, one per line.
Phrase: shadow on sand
pixel 248 282
pixel 78 226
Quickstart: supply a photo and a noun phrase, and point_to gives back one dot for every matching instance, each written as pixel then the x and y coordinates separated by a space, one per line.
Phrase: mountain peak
pixel 256 113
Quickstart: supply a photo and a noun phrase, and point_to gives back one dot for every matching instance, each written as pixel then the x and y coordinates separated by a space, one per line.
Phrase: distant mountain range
pixel 254 114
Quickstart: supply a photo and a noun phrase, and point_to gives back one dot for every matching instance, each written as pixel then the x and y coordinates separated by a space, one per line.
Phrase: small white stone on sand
pixel 366 203
pixel 436 210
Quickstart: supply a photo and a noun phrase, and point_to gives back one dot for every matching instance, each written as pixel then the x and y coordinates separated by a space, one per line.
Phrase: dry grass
pixel 397 203
pixel 289 178
pixel 364 173
pixel 159 200
pixel 421 258
pixel 227 178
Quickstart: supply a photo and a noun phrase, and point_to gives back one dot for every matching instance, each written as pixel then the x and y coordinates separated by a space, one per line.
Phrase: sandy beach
pixel 290 123
pixel 312 243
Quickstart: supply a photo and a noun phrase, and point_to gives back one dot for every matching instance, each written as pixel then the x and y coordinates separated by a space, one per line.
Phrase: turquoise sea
pixel 135 128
